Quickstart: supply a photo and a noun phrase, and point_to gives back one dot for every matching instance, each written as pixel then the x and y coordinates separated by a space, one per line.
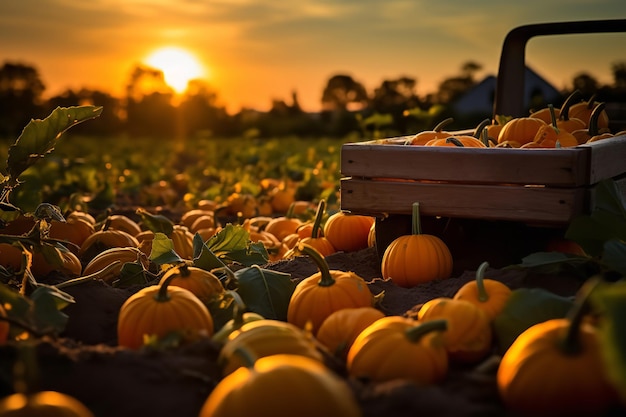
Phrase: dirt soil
pixel 114 382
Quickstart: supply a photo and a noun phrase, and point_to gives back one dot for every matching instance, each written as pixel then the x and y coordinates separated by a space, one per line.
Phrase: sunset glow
pixel 178 65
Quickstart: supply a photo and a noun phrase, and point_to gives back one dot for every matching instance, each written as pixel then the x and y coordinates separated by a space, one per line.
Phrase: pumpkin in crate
pixel 520 130
pixel 584 109
pixel 278 385
pixel 417 258
pixel 397 347
pixel 159 310
pixel 557 368
pixel 318 296
pixel 425 136
pixel 348 232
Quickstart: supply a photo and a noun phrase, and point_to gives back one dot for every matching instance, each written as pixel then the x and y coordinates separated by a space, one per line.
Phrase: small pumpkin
pixel 468 336
pixel 104 239
pixel 461 141
pixel 592 129
pixel 283 226
pixel 240 317
pixel 158 310
pixel 489 295
pixel 202 283
pixel 321 294
pixel 316 239
pixel 123 222
pixel 348 232
pixel 190 216
pixel 556 368
pixel 397 347
pixel 425 136
pixel 520 130
pixel 584 109
pixel 111 255
pixel 282 384
pixel 74 230
pixel 66 263
pixel 554 135
pixel 43 404
pixel 417 258
pixel 265 337
pixel 341 327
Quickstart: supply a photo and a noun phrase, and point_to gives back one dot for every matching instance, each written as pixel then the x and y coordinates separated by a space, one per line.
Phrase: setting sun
pixel 179 66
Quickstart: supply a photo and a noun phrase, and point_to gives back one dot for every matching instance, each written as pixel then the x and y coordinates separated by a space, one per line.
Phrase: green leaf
pixel 157 223
pixel 47 318
pixel 265 292
pixel 557 262
pixel 163 250
pixel 203 257
pixel 614 256
pixel 607 220
pixel 610 302
pixel 61 298
pixel 132 273
pixel 232 244
pixel 527 307
pixel 39 136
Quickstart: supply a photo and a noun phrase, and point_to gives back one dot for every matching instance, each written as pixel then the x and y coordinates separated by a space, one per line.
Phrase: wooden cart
pixel 516 194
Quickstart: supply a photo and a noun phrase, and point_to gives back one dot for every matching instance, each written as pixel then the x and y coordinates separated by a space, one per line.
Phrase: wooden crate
pixel 535 186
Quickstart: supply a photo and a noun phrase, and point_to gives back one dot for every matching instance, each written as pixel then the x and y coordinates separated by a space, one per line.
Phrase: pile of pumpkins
pixel 575 123
pixel 332 314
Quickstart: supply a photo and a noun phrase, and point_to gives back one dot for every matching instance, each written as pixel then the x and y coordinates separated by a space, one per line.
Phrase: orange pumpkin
pixel 316 239
pixel 584 109
pixel 520 130
pixel 202 283
pixel 43 404
pixel 285 225
pixel 348 232
pixel 488 294
pixel 158 310
pixel 119 254
pixel 554 135
pixel 437 133
pixel 321 294
pixel 417 258
pixel 101 240
pixel 465 141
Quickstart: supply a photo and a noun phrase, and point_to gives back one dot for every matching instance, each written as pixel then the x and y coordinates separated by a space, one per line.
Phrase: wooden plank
pixel 608 158
pixel 516 203
pixel 559 167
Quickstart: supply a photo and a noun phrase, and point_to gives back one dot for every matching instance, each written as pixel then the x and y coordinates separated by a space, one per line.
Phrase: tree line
pixel 150 108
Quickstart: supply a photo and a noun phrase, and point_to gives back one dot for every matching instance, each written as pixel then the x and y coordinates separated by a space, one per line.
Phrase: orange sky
pixel 256 51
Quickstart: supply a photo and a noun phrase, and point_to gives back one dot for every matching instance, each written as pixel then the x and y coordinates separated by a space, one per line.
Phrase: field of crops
pixel 164 286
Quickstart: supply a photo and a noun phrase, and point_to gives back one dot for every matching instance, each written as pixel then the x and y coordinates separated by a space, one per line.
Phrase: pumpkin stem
pixel 415 333
pixel 480 283
pixel 455 141
pixel 327 279
pixel 319 215
pixel 239 308
pixel 570 344
pixel 593 119
pixel 564 111
pixel 290 211
pixel 246 356
pixel 553 118
pixel 478 132
pixel 416 224
pixel 443 124
pixel 162 295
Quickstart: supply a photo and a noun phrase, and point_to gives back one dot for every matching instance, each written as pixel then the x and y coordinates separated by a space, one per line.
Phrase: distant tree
pixel 619 75
pixel 201 112
pixel 149 108
pixel 343 93
pixel 586 84
pixel 395 97
pixel 110 121
pixel 452 88
pixel 21 92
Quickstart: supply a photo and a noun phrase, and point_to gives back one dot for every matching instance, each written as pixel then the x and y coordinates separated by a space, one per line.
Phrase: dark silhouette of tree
pixel 21 92
pixel 452 88
pixel 343 93
pixel 149 109
pixel 200 111
pixel 108 123
pixel 586 84
pixel 619 75
pixel 395 97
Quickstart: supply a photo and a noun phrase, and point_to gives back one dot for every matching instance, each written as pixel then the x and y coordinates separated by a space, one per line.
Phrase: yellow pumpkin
pixel 468 335
pixel 281 384
pixel 417 258
pixel 396 347
pixel 318 296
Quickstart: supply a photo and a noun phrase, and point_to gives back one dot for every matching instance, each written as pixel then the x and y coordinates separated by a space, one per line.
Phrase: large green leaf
pixel 39 136
pixel 232 244
pixel 163 250
pixel 527 307
pixel 610 301
pixel 265 292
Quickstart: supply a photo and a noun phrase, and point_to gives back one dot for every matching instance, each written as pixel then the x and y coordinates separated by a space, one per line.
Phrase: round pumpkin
pixel 321 294
pixel 157 310
pixel 111 255
pixel 488 294
pixel 348 232
pixel 520 130
pixel 70 264
pixel 101 240
pixel 43 404
pixel 75 231
pixel 202 283
pixel 556 368
pixel 396 347
pixel 278 385
pixel 584 109
pixel 425 136
pixel 341 327
pixel 417 258
pixel 468 335
pixel 262 338
pixel 123 222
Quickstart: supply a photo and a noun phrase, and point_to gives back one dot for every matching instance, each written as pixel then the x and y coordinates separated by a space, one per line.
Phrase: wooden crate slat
pixel 608 158
pixel 558 167
pixel 517 203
